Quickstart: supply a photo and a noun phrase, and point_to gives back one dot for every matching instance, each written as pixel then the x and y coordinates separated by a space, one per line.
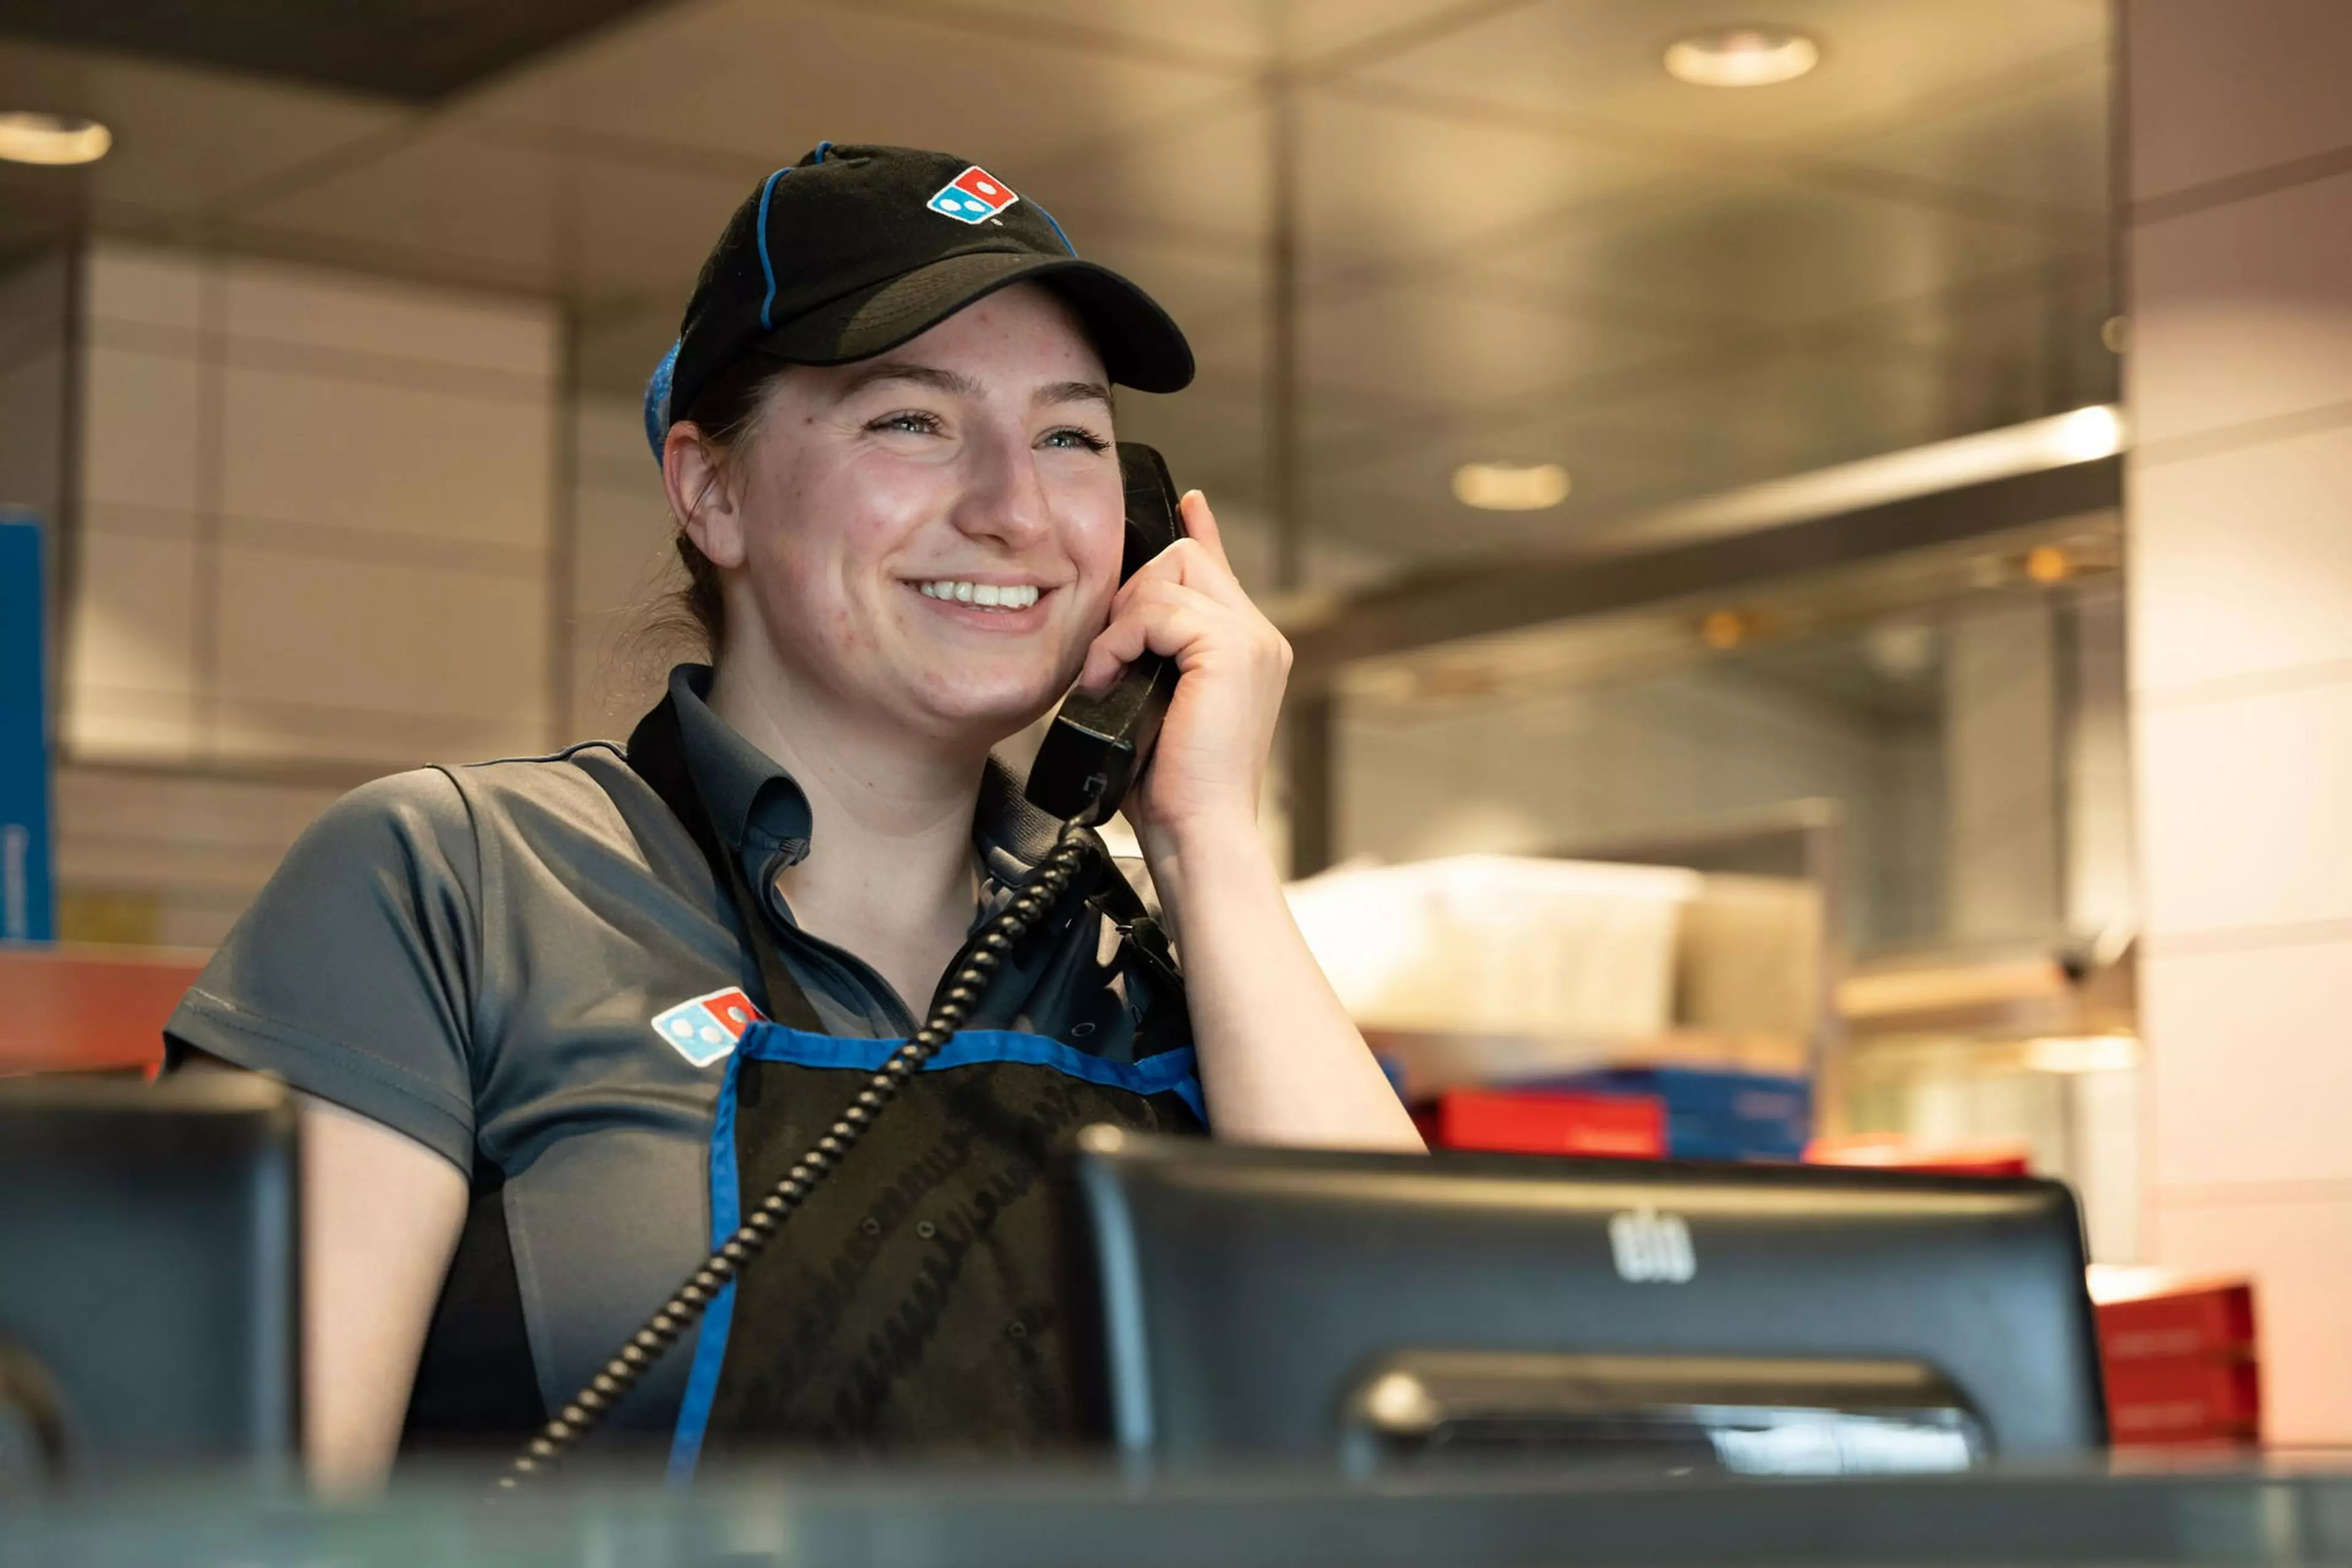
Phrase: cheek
pixel 829 536
pixel 1096 541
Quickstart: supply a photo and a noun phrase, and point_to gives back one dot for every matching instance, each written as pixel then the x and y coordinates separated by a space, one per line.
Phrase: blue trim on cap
pixel 657 420
pixel 766 266
pixel 821 149
pixel 1057 228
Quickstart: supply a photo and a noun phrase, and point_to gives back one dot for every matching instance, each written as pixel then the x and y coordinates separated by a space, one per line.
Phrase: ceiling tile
pixel 2046 144
pixel 769 79
pixel 1599 61
pixel 183 137
pixel 1466 342
pixel 482 203
pixel 624 228
pixel 481 210
pixel 416 50
pixel 1239 31
pixel 1392 185
pixel 1215 434
pixel 1199 178
pixel 1771 254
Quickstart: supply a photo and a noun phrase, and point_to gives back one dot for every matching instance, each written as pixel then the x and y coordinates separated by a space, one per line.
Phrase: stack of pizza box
pixel 2181 1358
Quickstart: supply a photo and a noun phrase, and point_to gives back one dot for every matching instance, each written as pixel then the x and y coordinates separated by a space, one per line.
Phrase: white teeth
pixel 993 595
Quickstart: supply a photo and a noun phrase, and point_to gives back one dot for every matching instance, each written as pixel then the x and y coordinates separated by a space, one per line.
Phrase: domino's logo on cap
pixel 973 196
pixel 705 1029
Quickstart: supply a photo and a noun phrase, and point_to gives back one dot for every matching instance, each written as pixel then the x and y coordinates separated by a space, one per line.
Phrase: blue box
pixel 1711 1114
pixel 28 910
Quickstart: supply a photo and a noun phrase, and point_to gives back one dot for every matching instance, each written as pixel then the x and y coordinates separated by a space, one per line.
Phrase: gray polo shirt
pixel 473 956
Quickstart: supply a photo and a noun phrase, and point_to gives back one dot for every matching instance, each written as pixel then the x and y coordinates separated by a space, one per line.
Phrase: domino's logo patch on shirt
pixel 705 1029
pixel 973 196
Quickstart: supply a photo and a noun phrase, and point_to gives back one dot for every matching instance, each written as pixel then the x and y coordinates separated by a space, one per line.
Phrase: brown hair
pixel 727 412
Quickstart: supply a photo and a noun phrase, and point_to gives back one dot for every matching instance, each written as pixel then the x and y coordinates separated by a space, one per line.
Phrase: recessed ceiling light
pixel 1510 486
pixel 27 136
pixel 1742 56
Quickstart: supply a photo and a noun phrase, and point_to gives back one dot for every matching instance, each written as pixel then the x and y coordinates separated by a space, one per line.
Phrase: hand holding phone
pixel 1098 744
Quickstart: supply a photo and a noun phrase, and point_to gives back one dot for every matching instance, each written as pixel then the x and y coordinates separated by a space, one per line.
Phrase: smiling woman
pixel 563 1020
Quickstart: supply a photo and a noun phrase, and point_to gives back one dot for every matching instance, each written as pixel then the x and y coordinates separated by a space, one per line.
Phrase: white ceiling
pixel 1519 238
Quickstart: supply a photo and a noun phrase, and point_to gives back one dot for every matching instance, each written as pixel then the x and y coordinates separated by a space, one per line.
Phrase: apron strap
pixel 658 755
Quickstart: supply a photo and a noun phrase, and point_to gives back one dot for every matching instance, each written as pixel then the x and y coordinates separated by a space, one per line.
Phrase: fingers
pixel 1201 525
pixel 1173 619
pixel 1197 561
pixel 1183 603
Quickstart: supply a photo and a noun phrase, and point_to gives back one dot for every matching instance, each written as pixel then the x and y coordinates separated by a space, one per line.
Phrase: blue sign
pixel 27 912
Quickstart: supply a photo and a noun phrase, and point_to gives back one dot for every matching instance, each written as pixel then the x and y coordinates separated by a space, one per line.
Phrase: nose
pixel 1002 500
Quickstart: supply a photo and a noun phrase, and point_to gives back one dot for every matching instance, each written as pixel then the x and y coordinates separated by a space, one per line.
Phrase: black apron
pixel 920 1301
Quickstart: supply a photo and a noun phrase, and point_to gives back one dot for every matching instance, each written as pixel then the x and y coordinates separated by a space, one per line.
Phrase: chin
pixel 985 711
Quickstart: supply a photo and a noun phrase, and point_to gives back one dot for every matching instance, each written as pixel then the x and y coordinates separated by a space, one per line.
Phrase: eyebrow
pixel 1075 392
pixel 957 384
pixel 947 381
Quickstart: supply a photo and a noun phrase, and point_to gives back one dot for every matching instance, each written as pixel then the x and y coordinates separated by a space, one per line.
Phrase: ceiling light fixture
pixel 1510 486
pixel 1724 630
pixel 29 136
pixel 2047 565
pixel 2089 433
pixel 2086 1052
pixel 1742 56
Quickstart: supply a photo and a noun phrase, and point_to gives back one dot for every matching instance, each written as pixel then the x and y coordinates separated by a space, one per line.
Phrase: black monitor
pixel 148 1279
pixel 1405 1309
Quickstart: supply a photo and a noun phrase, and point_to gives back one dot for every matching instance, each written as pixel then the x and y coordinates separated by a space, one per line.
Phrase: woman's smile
pixel 986 603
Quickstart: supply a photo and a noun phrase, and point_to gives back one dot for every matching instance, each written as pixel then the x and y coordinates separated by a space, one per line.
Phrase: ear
pixel 699 495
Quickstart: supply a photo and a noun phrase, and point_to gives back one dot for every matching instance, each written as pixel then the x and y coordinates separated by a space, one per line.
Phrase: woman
pixel 511 993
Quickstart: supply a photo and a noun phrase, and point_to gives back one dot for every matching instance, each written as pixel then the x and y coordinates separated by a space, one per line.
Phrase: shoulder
pixel 577 775
pixel 579 811
pixel 444 811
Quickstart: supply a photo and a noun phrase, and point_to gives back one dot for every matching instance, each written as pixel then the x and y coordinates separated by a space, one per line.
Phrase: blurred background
pixel 1688 452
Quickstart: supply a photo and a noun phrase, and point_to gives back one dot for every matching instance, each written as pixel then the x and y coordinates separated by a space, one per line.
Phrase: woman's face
pixel 882 505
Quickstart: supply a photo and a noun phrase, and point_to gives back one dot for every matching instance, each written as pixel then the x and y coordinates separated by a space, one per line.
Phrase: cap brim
pixel 1140 344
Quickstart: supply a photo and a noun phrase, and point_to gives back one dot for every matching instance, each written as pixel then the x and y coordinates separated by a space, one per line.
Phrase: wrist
pixel 1209 833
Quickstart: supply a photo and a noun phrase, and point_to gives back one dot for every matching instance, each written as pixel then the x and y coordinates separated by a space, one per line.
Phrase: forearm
pixel 1280 1060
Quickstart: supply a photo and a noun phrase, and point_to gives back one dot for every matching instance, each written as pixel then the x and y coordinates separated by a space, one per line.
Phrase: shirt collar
pixel 762 816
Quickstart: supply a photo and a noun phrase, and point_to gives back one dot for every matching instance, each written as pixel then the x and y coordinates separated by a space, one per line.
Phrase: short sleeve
pixel 352 974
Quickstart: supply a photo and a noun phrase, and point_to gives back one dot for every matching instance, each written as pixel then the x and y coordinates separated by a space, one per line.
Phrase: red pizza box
pixel 1533 1122
pixel 2183 1399
pixel 89 1009
pixel 2156 1316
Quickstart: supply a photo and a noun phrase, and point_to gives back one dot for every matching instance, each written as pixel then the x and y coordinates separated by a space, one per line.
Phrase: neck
pixel 891 871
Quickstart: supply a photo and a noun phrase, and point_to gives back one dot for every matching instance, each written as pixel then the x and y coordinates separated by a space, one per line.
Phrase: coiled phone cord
pixel 984 956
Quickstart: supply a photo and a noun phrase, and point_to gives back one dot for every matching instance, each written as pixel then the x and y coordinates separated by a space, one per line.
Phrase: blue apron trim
pixel 710 1343
pixel 1170 1072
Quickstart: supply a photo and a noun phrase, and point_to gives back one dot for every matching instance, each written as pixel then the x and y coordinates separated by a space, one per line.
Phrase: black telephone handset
pixel 1098 744
pixel 1092 754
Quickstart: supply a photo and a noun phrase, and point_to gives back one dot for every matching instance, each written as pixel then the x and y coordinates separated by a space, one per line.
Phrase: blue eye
pixel 1071 438
pixel 912 421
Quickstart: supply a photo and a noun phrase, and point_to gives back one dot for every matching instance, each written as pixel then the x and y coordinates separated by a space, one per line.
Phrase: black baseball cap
pixel 854 249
